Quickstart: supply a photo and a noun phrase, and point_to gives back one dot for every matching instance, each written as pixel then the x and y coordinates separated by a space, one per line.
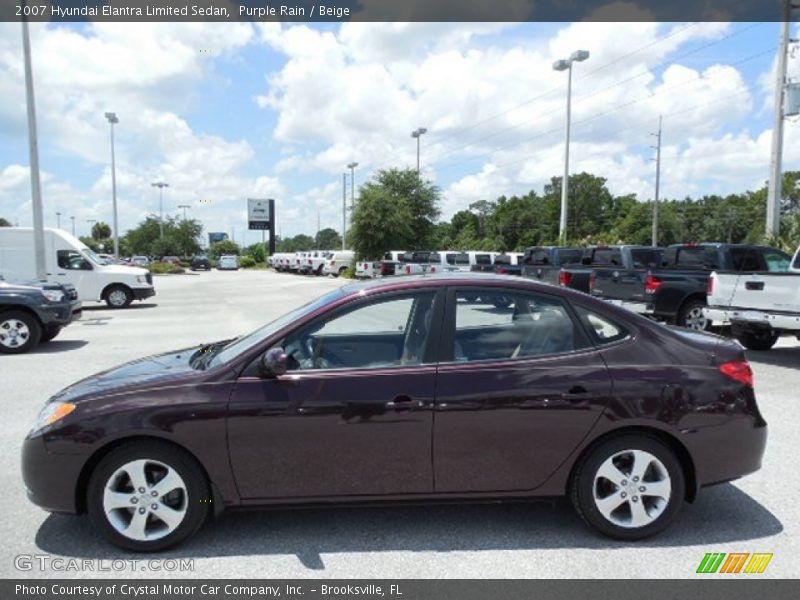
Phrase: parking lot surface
pixel 759 513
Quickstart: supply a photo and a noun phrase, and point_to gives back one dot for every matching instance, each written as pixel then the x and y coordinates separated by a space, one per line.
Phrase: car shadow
pixel 777 357
pixel 55 346
pixel 721 514
pixel 134 305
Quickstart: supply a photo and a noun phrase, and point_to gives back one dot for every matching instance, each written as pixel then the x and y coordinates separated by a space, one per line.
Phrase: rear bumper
pixel 143 293
pixel 717 314
pixel 762 320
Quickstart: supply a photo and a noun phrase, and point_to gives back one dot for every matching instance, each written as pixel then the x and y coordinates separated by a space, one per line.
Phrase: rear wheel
pixel 757 340
pixel 19 332
pixel 147 496
pixel 692 317
pixel 629 487
pixel 119 296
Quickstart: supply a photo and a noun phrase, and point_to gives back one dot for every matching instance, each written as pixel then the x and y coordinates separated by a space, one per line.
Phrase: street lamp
pixel 58 220
pixel 160 185
pixel 113 120
pixel 352 166
pixel 566 65
pixel 417 133
pixel 184 207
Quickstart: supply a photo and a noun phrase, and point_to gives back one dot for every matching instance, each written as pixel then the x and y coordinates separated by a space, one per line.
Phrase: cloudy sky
pixel 223 112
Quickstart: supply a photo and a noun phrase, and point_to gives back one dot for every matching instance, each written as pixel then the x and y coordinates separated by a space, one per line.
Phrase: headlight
pixel 53 295
pixel 51 413
pixel 141 279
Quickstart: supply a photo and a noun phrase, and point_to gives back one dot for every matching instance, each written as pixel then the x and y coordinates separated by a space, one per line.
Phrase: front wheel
pixel 757 341
pixel 49 333
pixel 692 317
pixel 148 496
pixel 19 332
pixel 119 296
pixel 629 487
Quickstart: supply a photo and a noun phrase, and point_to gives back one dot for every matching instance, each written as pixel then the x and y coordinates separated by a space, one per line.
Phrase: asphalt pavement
pixel 759 513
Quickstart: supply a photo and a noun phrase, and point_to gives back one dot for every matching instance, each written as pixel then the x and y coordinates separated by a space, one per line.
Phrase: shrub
pixel 247 262
pixel 161 268
pixel 349 273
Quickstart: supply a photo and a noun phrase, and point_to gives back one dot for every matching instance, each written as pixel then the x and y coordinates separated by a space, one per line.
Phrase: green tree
pixel 257 252
pixel 180 237
pixel 224 247
pixel 298 243
pixel 4 222
pixel 328 239
pixel 101 231
pixel 395 209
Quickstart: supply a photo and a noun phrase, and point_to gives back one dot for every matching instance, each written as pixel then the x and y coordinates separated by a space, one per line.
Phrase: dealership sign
pixel 259 213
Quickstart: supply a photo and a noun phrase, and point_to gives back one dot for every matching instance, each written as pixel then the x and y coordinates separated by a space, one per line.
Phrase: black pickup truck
pixel 34 312
pixel 616 259
pixel 545 262
pixel 676 290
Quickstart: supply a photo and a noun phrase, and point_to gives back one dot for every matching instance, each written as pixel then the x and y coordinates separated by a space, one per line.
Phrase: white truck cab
pixel 68 260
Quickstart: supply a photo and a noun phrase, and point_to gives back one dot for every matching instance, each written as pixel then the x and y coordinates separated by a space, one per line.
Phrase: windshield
pixel 244 344
pixel 90 254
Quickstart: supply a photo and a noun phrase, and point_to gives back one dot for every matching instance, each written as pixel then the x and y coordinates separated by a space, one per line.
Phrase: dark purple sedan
pixel 451 387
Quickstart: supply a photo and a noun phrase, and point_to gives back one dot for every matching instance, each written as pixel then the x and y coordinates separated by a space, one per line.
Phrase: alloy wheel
pixel 14 333
pixel 695 319
pixel 632 488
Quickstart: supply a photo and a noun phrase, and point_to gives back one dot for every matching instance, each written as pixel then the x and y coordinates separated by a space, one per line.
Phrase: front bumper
pixel 50 479
pixel 143 293
pixel 60 314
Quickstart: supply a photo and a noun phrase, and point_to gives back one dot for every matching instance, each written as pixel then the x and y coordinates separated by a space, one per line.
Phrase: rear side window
pixel 483 259
pixel 503 259
pixel 745 259
pixel 456 258
pixel 604 330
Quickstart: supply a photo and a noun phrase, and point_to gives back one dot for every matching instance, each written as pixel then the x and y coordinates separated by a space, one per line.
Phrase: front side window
pixel 378 334
pixel 508 324
pixel 72 260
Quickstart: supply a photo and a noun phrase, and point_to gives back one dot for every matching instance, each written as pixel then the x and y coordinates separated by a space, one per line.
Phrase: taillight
pixel 710 286
pixel 433 269
pixel 592 280
pixel 738 370
pixel 652 284
pixel 501 271
pixel 564 278
pixel 333 263
pixel 408 270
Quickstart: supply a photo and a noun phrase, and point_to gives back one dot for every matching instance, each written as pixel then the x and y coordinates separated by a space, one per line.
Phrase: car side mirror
pixel 86 265
pixel 274 362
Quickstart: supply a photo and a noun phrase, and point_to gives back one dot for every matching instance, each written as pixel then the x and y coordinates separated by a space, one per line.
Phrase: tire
pixel 188 499
pixel 341 271
pixel 19 331
pixel 49 334
pixel 319 270
pixel 757 341
pixel 118 296
pixel 502 301
pixel 624 506
pixel 691 316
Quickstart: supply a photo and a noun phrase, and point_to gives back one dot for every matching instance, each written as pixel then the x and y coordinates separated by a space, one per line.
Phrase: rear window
pixel 696 257
pixel 606 256
pixel 569 256
pixel 745 259
pixel 483 259
pixel 537 257
pixel 646 258
pixel 454 258
pixel 502 259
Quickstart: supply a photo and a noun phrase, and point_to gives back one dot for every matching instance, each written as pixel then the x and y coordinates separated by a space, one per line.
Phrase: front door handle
pixel 577 393
pixel 403 402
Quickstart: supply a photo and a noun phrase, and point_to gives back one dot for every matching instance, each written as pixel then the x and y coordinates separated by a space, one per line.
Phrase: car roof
pixel 458 278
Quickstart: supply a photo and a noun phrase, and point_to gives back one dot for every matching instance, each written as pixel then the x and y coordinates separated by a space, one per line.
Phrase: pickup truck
pixel 761 307
pixel 613 262
pixel 34 312
pixel 676 291
pixel 544 262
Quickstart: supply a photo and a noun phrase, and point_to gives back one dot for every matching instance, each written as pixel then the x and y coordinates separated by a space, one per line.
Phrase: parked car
pixel 34 312
pixel 172 260
pixel 559 394
pixel 228 262
pixel 368 269
pixel 200 262
pixel 68 260
pixel 315 261
pixel 610 262
pixel 508 263
pixel 545 262
pixel 338 262
pixel 139 261
pixel 392 263
pixel 760 307
pixel 676 292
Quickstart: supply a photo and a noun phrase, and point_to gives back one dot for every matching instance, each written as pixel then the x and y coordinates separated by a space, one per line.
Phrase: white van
pixel 338 262
pixel 68 260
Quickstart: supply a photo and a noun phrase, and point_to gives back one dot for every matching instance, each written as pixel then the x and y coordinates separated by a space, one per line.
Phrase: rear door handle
pixel 754 286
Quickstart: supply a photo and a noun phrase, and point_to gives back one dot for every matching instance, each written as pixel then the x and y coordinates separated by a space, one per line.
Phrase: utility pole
pixel 160 185
pixel 774 191
pixel 33 148
pixel 344 211
pixel 418 133
pixel 112 120
pixel 658 182
pixel 352 166
pixel 58 220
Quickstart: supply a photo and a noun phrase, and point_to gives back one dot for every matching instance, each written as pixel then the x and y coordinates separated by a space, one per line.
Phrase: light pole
pixel 344 211
pixel 658 183
pixel 184 207
pixel 113 120
pixel 566 65
pixel 58 220
pixel 73 225
pixel 91 223
pixel 352 166
pixel 160 185
pixel 417 133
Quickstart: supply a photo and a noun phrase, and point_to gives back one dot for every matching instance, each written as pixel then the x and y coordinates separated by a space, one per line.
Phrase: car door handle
pixel 576 393
pixel 403 403
pixel 754 286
